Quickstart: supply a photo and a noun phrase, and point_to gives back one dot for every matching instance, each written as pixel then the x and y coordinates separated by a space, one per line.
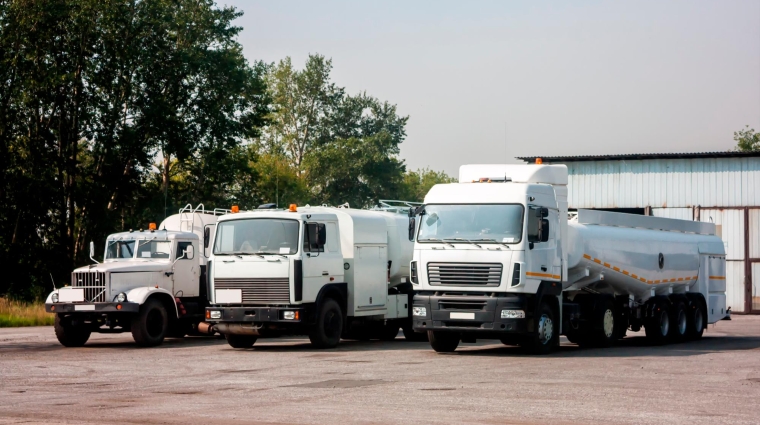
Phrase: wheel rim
pixel 681 322
pixel 331 324
pixel 545 329
pixel 664 323
pixel 154 324
pixel 698 320
pixel 609 323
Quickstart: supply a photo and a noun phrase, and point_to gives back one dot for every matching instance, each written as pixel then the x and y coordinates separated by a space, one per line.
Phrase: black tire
pixel 150 324
pixel 577 336
pixel 679 322
pixel 179 329
pixel 68 334
pixel 443 342
pixel 696 316
pixel 657 327
pixel 546 337
pixel 388 332
pixel 240 341
pixel 604 326
pixel 326 332
pixel 412 336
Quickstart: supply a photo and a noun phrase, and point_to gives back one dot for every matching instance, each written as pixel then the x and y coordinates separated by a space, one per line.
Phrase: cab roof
pixel 159 235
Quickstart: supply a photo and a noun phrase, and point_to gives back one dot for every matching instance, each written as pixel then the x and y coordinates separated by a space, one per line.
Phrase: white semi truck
pixel 319 271
pixel 496 256
pixel 151 282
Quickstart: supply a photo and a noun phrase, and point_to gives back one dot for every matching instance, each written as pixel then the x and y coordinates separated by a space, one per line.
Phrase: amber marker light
pixel 152 226
pixel 235 209
pixel 208 314
pixel 293 208
pixel 539 161
pixel 118 306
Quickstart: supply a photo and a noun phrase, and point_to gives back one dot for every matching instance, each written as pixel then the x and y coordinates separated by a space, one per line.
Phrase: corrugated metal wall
pixel 720 187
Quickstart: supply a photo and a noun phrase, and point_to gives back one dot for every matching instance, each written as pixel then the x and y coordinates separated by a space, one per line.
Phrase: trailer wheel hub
pixel 609 323
pixel 545 329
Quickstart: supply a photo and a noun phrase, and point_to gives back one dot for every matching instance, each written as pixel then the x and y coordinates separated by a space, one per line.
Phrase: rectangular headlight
pixel 512 314
pixel 419 311
pixel 289 315
pixel 215 314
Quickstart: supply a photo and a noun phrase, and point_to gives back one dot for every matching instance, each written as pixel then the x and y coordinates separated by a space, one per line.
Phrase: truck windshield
pixel 257 236
pixel 475 222
pixel 154 249
pixel 120 249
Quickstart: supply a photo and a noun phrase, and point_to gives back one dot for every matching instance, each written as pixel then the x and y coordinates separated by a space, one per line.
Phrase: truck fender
pixel 140 295
pixel 336 290
pixel 49 299
pixel 550 290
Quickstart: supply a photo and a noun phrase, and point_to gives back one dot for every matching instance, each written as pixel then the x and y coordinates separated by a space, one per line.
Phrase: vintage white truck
pixel 151 283
pixel 319 271
pixel 497 256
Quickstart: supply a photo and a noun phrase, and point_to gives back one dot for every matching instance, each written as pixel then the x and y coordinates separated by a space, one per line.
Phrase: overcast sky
pixel 483 82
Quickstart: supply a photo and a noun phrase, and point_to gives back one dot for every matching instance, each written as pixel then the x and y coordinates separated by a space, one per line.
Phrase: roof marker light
pixel 293 208
pixel 539 161
pixel 235 209
pixel 152 226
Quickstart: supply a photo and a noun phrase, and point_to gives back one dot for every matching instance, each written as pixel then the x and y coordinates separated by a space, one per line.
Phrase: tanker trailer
pixel 319 271
pixel 496 256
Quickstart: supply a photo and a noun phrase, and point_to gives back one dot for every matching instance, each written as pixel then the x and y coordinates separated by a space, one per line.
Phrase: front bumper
pixel 484 310
pixel 260 314
pixel 89 308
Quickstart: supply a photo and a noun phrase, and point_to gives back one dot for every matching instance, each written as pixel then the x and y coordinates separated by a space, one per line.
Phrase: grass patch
pixel 16 313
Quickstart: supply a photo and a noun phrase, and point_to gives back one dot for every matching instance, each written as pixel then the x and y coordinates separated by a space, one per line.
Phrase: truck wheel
pixel 70 335
pixel 326 332
pixel 240 341
pixel 604 326
pixel 657 327
pixel 388 331
pixel 412 336
pixel 443 342
pixel 679 322
pixel 510 340
pixel 546 336
pixel 150 325
pixel 695 319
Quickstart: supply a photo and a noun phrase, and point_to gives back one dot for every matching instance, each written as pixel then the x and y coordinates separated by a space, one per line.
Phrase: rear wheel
pixel 658 326
pixel 69 333
pixel 603 333
pixel 240 341
pixel 150 325
pixel 411 335
pixel 443 342
pixel 546 336
pixel 695 319
pixel 326 332
pixel 679 322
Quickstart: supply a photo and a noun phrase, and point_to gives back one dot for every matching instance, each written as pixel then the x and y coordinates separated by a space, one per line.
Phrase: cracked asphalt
pixel 202 380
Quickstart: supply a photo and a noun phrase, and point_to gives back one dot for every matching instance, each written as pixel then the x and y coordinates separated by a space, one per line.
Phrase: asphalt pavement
pixel 202 380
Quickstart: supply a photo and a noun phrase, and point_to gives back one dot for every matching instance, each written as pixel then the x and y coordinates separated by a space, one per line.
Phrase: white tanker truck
pixel 151 283
pixel 318 271
pixel 496 256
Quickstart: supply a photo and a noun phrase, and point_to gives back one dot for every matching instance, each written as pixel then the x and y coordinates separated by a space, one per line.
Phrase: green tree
pixel 747 140
pixel 418 183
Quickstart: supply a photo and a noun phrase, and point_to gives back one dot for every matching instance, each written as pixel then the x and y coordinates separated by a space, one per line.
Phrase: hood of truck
pixel 127 266
pixel 465 268
pixel 250 267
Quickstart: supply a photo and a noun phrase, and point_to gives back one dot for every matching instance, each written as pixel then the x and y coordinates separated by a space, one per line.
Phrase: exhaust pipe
pixel 238 329
pixel 206 328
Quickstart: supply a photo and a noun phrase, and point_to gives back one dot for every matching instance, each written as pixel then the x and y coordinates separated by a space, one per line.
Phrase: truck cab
pixel 151 283
pixel 318 271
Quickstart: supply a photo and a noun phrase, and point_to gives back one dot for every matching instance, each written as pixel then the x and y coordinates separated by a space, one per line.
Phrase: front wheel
pixel 326 332
pixel 150 325
pixel 70 334
pixel 545 338
pixel 443 342
pixel 240 341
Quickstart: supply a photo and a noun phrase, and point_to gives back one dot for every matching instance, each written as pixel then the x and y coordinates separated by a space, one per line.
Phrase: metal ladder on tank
pixel 187 217
pixel 395 206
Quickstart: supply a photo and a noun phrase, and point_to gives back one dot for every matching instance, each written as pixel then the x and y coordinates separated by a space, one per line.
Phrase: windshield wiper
pixel 436 240
pixel 465 240
pixel 494 240
pixel 271 253
pixel 241 253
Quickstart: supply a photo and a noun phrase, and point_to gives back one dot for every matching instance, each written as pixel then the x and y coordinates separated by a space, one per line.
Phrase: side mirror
pixel 412 211
pixel 92 249
pixel 189 252
pixel 544 212
pixel 544 231
pixel 321 234
pixel 534 225
pixel 317 234
pixel 206 236
pixel 412 226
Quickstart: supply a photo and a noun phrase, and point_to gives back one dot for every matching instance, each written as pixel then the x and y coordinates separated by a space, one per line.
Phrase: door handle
pixel 543 268
pixel 325 273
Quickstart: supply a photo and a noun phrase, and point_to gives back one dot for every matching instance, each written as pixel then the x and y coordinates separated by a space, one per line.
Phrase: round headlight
pixel 121 297
pixel 54 297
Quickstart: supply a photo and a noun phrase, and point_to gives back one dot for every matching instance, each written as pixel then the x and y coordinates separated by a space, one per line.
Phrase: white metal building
pixel 719 187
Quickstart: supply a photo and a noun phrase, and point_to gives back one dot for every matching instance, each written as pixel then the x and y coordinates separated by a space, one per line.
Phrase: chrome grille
pixel 93 283
pixel 464 274
pixel 266 290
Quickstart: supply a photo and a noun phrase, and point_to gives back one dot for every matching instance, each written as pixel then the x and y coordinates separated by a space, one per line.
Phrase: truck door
pixel 321 265
pixel 186 271
pixel 544 261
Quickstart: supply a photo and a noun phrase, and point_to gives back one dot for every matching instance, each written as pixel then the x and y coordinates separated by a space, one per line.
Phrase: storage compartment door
pixel 370 277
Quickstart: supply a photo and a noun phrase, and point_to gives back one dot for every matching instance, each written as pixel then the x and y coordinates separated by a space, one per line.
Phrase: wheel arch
pixel 142 295
pixel 337 291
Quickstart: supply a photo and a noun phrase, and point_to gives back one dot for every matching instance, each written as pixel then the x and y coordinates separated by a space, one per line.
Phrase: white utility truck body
pixel 151 282
pixel 497 256
pixel 322 271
